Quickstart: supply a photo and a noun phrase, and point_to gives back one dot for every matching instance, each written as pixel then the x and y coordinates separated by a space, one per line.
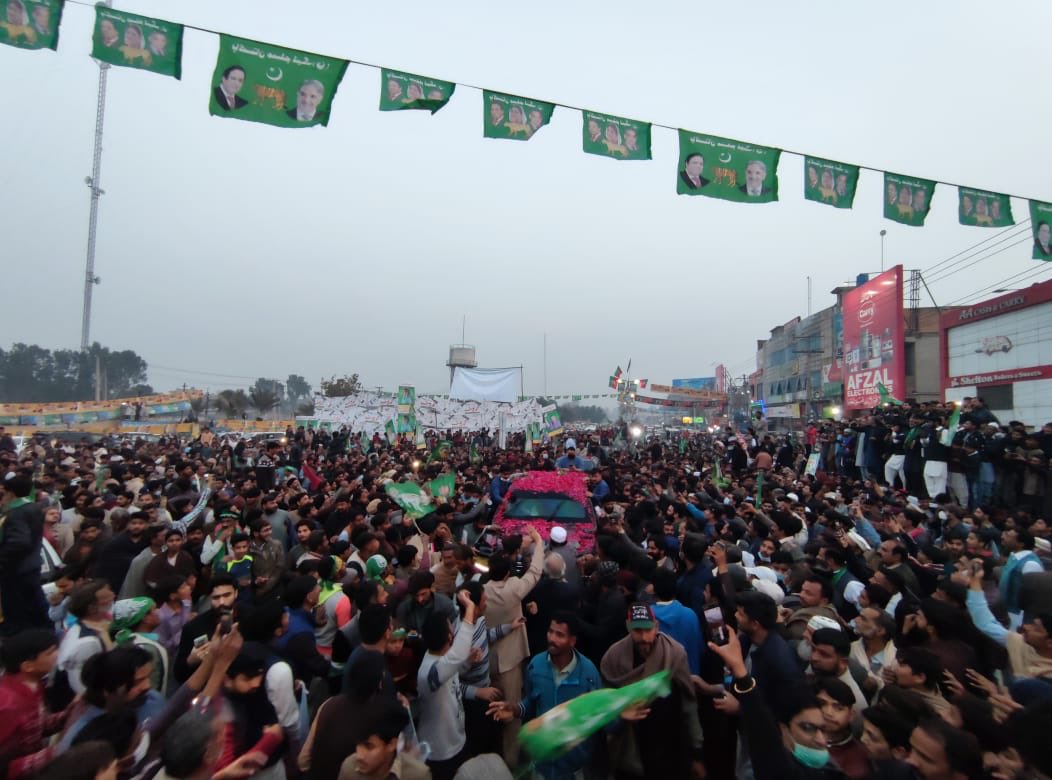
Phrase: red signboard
pixel 874 341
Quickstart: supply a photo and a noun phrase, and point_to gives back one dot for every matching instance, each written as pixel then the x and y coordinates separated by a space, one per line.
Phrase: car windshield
pixel 545 506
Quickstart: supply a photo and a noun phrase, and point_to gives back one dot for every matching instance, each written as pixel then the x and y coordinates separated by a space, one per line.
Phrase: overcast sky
pixel 240 249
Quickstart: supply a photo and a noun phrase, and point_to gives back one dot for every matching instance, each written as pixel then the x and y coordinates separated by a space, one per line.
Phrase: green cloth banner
pixel 406 423
pixel 134 41
pixel 410 498
pixel 1041 222
pixel 400 91
pixel 259 82
pixel 31 24
pixel 513 118
pixel 984 209
pixel 389 431
pixel 442 486
pixel 907 200
pixel 615 136
pixel 830 182
pixel 727 169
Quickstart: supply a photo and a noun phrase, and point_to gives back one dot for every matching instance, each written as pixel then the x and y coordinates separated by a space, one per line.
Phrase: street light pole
pixel 882 234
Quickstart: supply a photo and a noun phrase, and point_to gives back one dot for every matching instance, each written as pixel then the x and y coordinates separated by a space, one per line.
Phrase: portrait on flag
pixel 726 169
pixel 31 24
pixel 907 200
pixel 830 182
pixel 1041 224
pixel 259 82
pixel 979 208
pixel 614 136
pixel 134 41
pixel 513 118
pixel 401 91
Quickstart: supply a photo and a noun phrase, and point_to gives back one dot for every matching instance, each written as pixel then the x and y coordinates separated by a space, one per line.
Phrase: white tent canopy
pixel 486 384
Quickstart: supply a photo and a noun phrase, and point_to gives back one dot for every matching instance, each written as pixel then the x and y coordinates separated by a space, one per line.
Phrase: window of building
pixel 998 396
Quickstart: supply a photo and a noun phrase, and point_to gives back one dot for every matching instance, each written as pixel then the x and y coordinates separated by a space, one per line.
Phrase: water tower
pixel 462 355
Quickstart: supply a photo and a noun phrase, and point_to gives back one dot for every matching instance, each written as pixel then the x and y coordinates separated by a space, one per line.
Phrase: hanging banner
pixel 829 182
pixel 259 82
pixel 134 41
pixel 513 118
pixel 1041 223
pixel 406 398
pixel 400 91
pixel 726 169
pixel 907 200
pixel 31 24
pixel 984 209
pixel 874 341
pixel 553 424
pixel 406 423
pixel 614 136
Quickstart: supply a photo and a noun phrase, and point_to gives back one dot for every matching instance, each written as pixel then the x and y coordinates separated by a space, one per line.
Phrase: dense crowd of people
pixel 866 599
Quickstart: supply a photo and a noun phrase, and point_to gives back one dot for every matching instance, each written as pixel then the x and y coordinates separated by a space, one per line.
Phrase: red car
pixel 545 499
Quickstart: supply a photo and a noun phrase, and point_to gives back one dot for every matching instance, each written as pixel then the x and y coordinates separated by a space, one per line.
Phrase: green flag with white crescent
pixel 907 200
pixel 726 169
pixel 410 498
pixel 830 182
pixel 983 209
pixel 513 118
pixel 136 41
pixel 31 24
pixel 442 486
pixel 261 82
pixel 1041 223
pixel 615 136
pixel 564 727
pixel 401 91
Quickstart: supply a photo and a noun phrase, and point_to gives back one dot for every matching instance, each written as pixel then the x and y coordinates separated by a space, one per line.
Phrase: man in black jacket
pixel 21 531
pixel 222 596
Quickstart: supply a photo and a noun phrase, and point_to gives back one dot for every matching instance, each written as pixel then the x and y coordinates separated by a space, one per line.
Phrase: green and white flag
pixel 410 498
pixel 400 91
pixel 615 136
pixel 419 441
pixel 134 41
pixel 260 82
pixel 513 118
pixel 983 209
pixel 830 182
pixel 726 169
pixel 31 24
pixel 406 398
pixel 442 486
pixel 1041 223
pixel 952 425
pixel 907 200
pixel 389 431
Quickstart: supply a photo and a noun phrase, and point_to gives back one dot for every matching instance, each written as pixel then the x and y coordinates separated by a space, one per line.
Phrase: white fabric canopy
pixel 486 384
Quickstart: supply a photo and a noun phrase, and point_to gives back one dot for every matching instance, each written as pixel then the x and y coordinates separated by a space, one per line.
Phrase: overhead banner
pixel 615 136
pixel 406 91
pixel 486 384
pixel 830 182
pixel 31 24
pixel 984 209
pixel 259 82
pixel 907 200
pixel 513 118
pixel 134 41
pixel 1041 223
pixel 726 169
pixel 874 341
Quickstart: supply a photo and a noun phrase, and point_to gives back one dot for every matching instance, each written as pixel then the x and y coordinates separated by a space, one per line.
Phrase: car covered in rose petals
pixel 545 499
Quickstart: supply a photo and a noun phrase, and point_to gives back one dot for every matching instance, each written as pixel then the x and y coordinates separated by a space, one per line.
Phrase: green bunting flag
pixel 727 169
pixel 442 486
pixel 513 118
pixel 907 200
pixel 31 24
pixel 399 91
pixel 259 82
pixel 134 41
pixel 830 182
pixel 410 498
pixel 984 209
pixel 614 136
pixel 1041 223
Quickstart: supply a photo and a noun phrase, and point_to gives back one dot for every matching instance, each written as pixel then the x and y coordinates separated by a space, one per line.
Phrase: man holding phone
pixel 191 647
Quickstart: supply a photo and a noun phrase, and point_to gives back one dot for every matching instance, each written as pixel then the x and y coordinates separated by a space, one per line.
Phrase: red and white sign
pixel 874 341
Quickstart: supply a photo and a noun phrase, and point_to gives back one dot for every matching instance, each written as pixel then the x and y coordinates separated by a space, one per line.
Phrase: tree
pixel 232 403
pixel 297 387
pixel 340 387
pixel 266 394
pixel 576 413
pixel 305 409
pixel 31 373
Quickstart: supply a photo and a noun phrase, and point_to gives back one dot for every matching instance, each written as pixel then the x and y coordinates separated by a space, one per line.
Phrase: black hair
pixel 435 632
pixel 386 722
pixel 222 578
pixel 759 607
pixel 962 749
pixel 166 587
pixel 115 728
pixel 825 585
pixel 260 622
pixel 298 589
pixel 83 761
pixel 878 595
pixel 922 662
pixel 373 622
pixel 106 672
pixel 25 646
pixel 568 619
pixel 694 549
pixel 365 674
pixel 891 723
pixel 793 700
pixel 499 567
pixel 836 689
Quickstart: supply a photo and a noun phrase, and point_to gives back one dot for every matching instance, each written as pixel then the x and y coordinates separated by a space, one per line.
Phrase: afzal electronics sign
pixel 873 339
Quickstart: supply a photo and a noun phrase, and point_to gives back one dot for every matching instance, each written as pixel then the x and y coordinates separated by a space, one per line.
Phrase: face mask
pixel 815 758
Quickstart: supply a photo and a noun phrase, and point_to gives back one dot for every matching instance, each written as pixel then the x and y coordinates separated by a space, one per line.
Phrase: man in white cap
pixel 567 552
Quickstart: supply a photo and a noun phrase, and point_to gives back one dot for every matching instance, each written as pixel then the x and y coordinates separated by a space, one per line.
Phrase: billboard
pixel 696 383
pixel 873 341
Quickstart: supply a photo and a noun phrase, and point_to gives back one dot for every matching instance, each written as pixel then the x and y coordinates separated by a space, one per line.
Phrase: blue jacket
pixel 498 488
pixel 540 694
pixel 690 589
pixel 680 623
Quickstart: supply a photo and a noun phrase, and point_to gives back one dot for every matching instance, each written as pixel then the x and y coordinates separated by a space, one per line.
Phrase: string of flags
pixel 289 88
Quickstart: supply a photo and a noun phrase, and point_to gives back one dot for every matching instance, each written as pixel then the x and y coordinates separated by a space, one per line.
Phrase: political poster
pixel 407 91
pixel 136 41
pixel 726 169
pixel 830 182
pixel 31 24
pixel 979 208
pixel 513 118
pixel 874 341
pixel 615 136
pixel 907 200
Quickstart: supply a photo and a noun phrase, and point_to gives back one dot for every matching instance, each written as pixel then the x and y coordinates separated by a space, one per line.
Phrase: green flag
pixel 440 450
pixel 135 41
pixel 473 455
pixel 759 488
pixel 420 441
pixel 260 82
pixel 907 200
pixel 614 136
pixel 1041 223
pixel 513 118
pixel 442 486
pixel 410 498
pixel 983 209
pixel 717 476
pixel 727 169
pixel 400 91
pixel 886 397
pixel 830 182
pixel 365 441
pixel 390 431
pixel 567 725
pixel 682 445
pixel 951 426
pixel 31 24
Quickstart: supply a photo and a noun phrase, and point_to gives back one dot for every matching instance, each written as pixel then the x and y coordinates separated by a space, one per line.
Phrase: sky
pixel 230 250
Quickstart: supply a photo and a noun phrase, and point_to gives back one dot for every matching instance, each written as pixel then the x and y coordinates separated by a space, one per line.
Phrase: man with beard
pixel 278 519
pixel 116 557
pixel 222 597
pixel 254 724
pixel 662 739
pixel 21 535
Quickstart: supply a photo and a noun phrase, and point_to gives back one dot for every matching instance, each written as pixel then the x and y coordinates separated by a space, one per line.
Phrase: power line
pixel 933 268
pixel 203 373
pixel 941 277
pixel 1013 279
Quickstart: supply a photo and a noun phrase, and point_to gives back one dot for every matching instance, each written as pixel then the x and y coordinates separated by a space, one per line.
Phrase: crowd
pixel 203 609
